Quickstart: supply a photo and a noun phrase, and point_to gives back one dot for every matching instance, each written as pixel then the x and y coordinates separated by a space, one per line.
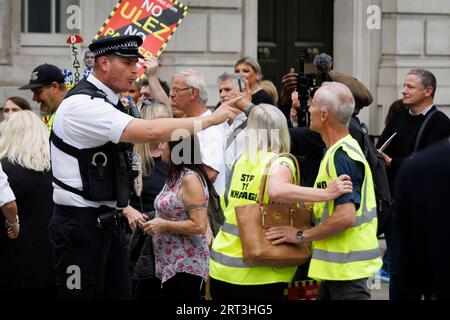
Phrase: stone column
pixel 356 49
pixel 5 32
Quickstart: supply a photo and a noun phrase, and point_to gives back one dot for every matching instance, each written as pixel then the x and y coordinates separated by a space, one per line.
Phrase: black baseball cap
pixel 125 46
pixel 44 75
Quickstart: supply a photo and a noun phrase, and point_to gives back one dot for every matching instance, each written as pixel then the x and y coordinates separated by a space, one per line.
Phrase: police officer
pixel 91 169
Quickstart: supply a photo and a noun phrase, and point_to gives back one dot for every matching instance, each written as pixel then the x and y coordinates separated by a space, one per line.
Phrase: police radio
pixel 133 108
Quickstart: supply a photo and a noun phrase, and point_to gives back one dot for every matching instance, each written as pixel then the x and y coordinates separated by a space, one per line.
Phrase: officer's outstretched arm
pixel 167 129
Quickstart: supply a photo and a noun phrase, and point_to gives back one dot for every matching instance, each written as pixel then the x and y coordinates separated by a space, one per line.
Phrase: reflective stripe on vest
pixel 228 261
pixel 339 257
pixel 366 215
pixel 228 185
pixel 226 256
pixel 231 229
pixel 353 253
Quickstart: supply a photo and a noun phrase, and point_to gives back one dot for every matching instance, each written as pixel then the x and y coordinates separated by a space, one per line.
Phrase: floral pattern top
pixel 175 253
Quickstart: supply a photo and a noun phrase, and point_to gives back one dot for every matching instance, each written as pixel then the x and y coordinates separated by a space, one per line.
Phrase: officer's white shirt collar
pixel 112 97
pixel 424 112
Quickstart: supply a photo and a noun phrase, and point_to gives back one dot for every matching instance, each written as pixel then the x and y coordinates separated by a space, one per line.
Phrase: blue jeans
pixel 90 262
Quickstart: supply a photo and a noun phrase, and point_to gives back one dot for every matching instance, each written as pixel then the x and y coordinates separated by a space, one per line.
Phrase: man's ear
pixel 194 94
pixel 55 86
pixel 428 91
pixel 324 115
pixel 103 62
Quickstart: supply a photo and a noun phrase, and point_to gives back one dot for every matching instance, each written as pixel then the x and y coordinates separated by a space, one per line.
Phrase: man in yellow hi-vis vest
pixel 48 87
pixel 345 247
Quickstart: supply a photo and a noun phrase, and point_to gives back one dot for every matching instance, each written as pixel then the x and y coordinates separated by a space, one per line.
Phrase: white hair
pixel 85 52
pixel 24 141
pixel 195 79
pixel 337 98
pixel 266 130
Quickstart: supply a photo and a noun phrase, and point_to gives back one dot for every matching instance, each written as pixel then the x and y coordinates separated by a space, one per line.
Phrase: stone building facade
pixel 377 41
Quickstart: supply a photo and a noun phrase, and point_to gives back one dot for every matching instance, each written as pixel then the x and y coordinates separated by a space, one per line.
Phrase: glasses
pixel 176 91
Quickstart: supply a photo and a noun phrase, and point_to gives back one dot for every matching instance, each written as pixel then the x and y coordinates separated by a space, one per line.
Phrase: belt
pixel 88 212
pixel 102 215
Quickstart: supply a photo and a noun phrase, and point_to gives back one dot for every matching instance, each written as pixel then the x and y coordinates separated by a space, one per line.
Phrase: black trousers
pixel 224 291
pixel 90 262
pixel 344 290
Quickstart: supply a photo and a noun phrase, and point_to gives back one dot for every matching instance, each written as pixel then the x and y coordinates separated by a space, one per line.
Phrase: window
pixel 46 16
pixel 48 23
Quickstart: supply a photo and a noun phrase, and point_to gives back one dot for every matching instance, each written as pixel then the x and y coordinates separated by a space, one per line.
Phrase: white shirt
pixel 84 122
pixel 424 112
pixel 212 147
pixel 6 193
pixel 236 147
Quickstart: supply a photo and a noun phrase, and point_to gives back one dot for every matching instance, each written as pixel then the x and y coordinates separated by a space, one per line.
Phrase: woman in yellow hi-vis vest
pixel 345 249
pixel 266 136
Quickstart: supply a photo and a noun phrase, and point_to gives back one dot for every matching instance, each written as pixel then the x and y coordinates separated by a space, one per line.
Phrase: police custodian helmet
pixel 125 46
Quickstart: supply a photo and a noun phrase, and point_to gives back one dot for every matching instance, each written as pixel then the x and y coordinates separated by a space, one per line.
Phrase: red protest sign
pixel 154 20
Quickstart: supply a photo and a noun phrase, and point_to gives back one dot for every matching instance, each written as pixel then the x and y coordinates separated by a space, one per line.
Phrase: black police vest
pixel 106 171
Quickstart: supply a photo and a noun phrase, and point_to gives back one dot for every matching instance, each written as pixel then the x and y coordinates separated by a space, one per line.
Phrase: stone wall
pixel 214 34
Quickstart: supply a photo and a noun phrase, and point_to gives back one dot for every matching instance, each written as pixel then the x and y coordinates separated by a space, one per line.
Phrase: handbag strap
pixel 262 188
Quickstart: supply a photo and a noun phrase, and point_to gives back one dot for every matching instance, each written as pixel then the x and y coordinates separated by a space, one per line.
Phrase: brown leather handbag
pixel 255 219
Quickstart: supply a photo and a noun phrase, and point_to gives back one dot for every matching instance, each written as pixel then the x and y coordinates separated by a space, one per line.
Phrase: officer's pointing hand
pixel 227 111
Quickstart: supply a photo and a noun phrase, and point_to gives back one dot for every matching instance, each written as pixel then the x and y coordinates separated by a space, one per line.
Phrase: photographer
pixel 306 144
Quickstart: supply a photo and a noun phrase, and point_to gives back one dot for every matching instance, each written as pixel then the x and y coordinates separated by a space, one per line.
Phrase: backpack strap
pixel 422 128
pixel 235 132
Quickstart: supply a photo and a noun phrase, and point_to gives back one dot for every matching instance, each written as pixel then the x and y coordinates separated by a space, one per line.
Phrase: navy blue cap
pixel 125 46
pixel 43 75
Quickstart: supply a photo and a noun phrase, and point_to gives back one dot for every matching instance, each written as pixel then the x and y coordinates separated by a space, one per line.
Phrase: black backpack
pixel 380 179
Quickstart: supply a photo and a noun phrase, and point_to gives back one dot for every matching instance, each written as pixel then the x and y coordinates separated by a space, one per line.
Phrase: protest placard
pixel 154 20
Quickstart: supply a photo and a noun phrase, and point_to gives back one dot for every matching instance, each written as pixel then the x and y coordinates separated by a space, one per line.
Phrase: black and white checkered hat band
pixel 131 45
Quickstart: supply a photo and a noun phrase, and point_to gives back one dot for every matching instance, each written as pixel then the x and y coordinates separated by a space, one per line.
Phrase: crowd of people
pixel 102 202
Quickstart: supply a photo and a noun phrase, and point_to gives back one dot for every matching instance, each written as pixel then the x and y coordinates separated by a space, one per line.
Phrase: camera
pixel 307 84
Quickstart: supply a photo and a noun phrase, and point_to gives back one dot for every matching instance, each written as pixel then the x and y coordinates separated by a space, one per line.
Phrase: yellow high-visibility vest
pixel 226 262
pixel 353 253
pixel 48 121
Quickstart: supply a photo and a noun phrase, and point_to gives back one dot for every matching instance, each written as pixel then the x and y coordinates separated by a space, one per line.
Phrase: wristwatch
pixel 299 235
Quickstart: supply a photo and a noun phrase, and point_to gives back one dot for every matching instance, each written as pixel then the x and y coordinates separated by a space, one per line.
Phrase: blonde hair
pixel 24 141
pixel 266 130
pixel 150 109
pixel 271 90
pixel 252 63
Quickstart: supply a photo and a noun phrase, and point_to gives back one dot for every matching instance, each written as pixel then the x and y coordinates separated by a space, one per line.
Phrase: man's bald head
pixel 338 100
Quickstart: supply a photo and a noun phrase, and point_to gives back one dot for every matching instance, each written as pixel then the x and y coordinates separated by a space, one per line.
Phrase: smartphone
pixel 241 85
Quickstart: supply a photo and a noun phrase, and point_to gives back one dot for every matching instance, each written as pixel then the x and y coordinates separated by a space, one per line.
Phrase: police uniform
pixel 91 182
